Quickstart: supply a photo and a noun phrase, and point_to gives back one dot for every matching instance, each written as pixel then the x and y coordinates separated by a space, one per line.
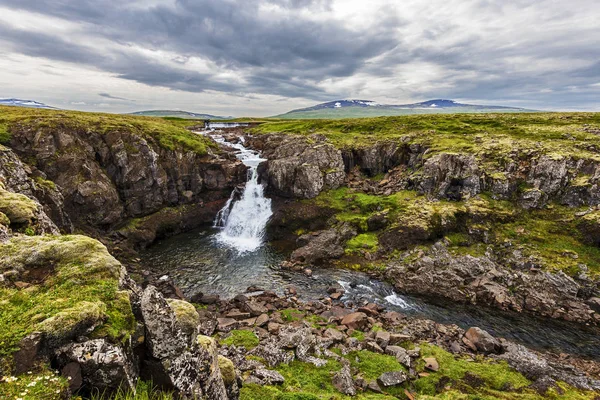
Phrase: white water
pixel 243 221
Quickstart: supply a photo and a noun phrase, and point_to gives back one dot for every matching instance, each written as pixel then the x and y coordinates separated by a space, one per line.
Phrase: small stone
pixel 268 377
pixel 431 364
pixel 21 285
pixel 382 338
pixel 226 324
pixel 72 371
pixel 238 315
pixel 397 338
pixel 334 334
pixel 482 341
pixel 262 319
pixel 336 295
pixel 393 378
pixel 273 328
pixel 374 347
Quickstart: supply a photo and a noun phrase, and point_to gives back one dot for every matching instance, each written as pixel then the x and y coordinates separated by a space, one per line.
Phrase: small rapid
pixel 242 221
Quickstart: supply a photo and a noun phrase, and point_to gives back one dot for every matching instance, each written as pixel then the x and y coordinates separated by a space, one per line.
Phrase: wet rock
pixel 393 378
pixel 318 247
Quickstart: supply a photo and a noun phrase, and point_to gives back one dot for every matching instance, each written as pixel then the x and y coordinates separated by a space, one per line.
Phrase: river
pixel 232 256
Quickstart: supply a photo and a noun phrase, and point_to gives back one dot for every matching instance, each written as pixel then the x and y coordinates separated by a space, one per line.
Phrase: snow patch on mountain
pixel 23 103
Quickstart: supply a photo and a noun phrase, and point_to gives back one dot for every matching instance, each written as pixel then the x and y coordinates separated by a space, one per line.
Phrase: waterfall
pixel 243 221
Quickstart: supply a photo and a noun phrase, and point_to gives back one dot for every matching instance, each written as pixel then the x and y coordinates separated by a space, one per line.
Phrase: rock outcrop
pixel 483 280
pixel 299 167
pixel 108 177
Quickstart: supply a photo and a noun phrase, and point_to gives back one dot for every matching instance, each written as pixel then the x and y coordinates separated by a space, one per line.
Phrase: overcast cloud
pixel 263 57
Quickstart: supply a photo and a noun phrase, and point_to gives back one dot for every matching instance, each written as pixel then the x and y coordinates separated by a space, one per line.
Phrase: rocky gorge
pixel 436 223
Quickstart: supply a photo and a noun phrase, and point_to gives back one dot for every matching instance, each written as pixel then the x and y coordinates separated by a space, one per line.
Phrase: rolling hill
pixel 368 108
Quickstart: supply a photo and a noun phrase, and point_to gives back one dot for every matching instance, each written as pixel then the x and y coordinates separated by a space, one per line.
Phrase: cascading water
pixel 243 221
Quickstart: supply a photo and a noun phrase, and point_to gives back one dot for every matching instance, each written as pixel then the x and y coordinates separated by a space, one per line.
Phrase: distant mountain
pixel 24 103
pixel 368 108
pixel 178 114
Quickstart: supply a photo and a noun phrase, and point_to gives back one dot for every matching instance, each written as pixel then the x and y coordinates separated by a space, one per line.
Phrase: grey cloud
pixel 109 96
pixel 293 55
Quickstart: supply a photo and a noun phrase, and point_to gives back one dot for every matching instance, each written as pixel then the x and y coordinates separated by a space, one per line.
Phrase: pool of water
pixel 198 262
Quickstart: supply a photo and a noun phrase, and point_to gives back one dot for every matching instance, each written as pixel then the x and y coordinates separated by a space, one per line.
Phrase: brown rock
pixel 356 320
pixel 262 319
pixel 431 364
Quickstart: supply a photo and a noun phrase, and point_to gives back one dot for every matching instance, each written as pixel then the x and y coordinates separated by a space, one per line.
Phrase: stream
pixel 231 256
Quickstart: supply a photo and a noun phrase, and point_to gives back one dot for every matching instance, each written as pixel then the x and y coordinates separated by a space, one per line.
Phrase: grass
pixel 78 281
pixel 143 391
pixel 241 338
pixel 45 384
pixel 169 134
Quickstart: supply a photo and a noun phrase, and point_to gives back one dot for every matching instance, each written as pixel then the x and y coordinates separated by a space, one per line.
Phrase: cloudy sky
pixel 263 57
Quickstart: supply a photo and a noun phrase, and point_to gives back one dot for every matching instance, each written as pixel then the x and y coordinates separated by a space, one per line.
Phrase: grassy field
pixel 486 134
pixel 169 133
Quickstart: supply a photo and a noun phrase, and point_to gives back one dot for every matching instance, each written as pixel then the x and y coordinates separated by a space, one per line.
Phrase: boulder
pixel 482 341
pixel 356 320
pixel 104 366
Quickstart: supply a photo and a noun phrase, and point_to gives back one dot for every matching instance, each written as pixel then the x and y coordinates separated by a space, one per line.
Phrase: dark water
pixel 197 263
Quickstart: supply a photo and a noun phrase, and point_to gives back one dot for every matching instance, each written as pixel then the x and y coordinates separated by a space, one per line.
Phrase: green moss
pixel 19 208
pixel 497 376
pixel 227 370
pixel 291 314
pixel 80 280
pixel 4 219
pixel 45 183
pixel 372 365
pixel 360 335
pixel 186 314
pixel 247 339
pixel 364 241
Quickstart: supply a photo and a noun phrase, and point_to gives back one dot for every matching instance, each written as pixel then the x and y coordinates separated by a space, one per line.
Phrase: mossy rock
pixel 186 314
pixel 19 208
pixel 74 321
pixel 73 287
pixel 209 344
pixel 4 220
pixel 227 370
